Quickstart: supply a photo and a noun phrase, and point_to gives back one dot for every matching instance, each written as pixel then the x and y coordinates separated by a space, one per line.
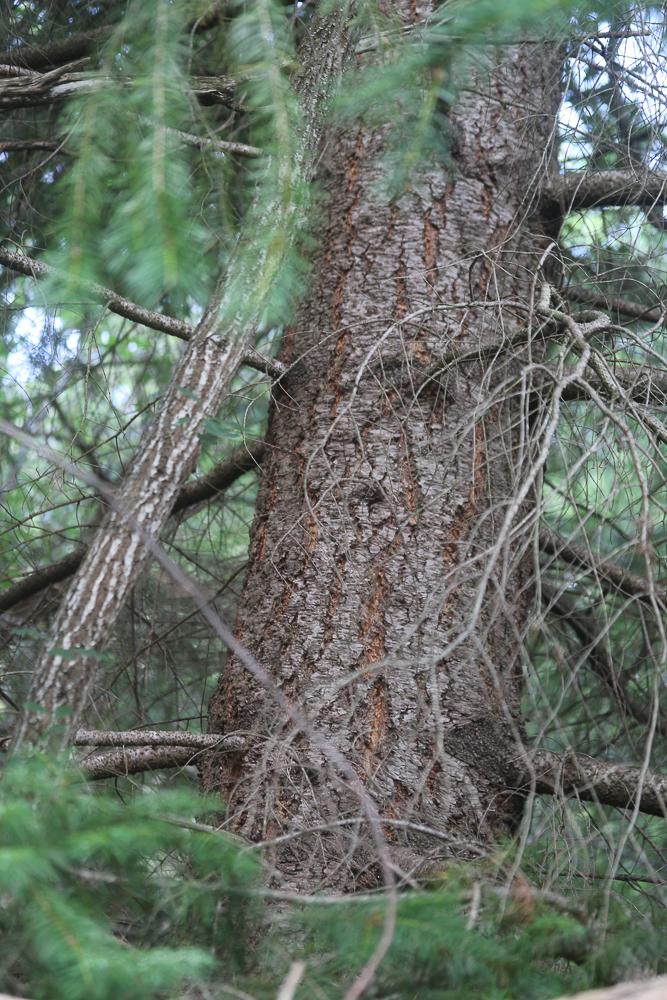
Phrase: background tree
pixel 451 630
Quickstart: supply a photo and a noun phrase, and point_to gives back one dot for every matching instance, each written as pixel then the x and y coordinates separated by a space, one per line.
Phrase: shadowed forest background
pixel 332 499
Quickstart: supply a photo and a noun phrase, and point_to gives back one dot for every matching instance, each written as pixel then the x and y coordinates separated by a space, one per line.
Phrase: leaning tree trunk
pixel 389 474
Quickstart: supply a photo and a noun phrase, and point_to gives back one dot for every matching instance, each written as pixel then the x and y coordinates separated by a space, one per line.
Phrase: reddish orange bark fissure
pixel 383 492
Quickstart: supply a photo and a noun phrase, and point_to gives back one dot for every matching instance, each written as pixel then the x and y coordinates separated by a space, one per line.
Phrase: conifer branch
pixel 610 575
pixel 595 780
pixel 51 54
pixel 600 188
pixel 612 303
pixel 118 304
pixel 220 478
pixel 31 90
pixel 65 50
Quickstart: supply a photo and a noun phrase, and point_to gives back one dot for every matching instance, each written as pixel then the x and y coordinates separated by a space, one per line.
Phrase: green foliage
pixel 411 79
pixel 128 215
pixel 498 948
pixel 104 898
pixel 267 268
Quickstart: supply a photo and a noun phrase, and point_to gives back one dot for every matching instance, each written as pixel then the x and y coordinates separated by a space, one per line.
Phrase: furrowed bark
pixel 64 673
pixel 373 521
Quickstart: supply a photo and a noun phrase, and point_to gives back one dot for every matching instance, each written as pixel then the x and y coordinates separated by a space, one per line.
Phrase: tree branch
pixel 64 50
pixel 595 780
pixel 157 738
pixel 599 188
pixel 117 763
pixel 220 478
pixel 32 89
pixel 609 574
pixel 595 646
pixel 639 385
pixel 121 306
pixel 611 303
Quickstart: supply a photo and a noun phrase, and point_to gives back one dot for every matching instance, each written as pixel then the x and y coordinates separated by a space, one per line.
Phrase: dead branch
pixel 595 780
pixel 609 574
pixel 49 54
pixel 611 303
pixel 64 50
pixel 117 763
pixel 591 633
pixel 220 478
pixel 156 738
pixel 604 188
pixel 32 90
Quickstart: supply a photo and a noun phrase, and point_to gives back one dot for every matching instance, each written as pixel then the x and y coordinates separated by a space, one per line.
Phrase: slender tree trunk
pixel 168 453
pixel 388 479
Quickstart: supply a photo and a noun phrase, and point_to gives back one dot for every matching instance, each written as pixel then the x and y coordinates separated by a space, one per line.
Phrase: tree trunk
pixel 388 478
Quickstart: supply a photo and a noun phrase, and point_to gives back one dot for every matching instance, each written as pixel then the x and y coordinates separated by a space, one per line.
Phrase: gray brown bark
pixel 599 781
pixel 595 188
pixel 383 499
pixel 65 671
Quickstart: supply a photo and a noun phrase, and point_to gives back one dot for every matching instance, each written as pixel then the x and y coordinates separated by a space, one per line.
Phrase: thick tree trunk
pixel 387 482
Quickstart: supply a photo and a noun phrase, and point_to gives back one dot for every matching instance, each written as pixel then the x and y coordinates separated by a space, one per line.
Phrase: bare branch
pixel 121 306
pixel 641 385
pixel 611 303
pixel 609 574
pixel 599 188
pixel 65 50
pixel 157 738
pixel 595 645
pixel 42 578
pixel 246 459
pixel 596 781
pixel 27 145
pixel 116 763
pixel 222 476
pixel 38 89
